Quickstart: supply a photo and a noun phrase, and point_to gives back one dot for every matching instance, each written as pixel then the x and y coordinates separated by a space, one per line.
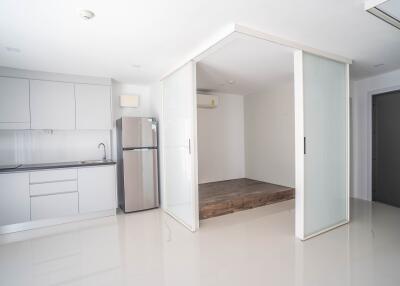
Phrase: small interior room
pixel 245 126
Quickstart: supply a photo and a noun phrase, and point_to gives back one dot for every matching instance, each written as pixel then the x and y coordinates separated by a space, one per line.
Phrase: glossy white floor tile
pixel 255 247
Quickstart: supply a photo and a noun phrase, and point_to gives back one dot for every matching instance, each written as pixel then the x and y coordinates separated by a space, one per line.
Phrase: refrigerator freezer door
pixel 140 179
pixel 139 132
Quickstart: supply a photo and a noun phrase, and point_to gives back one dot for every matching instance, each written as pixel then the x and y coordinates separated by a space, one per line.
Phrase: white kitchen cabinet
pixel 52 105
pixel 52 188
pixel 96 186
pixel 93 106
pixel 14 198
pixel 54 206
pixel 14 103
pixel 53 175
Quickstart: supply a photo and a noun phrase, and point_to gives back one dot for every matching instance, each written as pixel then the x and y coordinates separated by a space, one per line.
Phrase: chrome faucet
pixel 104 150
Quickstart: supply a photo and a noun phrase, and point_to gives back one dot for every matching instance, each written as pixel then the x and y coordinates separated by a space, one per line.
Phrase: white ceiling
pixel 158 34
pixel 245 65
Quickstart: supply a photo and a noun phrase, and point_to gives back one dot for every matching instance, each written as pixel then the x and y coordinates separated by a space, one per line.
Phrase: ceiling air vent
pixel 386 10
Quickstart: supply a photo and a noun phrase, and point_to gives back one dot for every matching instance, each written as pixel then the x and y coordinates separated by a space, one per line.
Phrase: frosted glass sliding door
pixel 322 144
pixel 179 146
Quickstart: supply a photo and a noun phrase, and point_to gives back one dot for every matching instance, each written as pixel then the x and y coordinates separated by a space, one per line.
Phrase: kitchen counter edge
pixel 50 166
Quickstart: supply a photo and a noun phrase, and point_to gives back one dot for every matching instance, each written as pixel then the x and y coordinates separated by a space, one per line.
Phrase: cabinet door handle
pixel 190 151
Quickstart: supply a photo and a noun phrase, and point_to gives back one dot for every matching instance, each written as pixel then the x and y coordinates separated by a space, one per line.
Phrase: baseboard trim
pixel 54 221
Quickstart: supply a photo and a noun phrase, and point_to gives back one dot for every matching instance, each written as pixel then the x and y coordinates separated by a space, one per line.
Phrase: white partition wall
pixel 179 150
pixel 322 144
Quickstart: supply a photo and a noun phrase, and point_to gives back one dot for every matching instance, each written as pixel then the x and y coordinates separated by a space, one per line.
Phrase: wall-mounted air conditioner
pixel 207 101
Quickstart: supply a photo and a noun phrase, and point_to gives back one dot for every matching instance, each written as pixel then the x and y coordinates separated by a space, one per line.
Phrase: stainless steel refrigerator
pixel 137 151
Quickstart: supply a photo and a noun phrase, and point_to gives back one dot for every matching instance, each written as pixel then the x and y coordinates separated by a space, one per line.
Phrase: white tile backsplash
pixel 42 146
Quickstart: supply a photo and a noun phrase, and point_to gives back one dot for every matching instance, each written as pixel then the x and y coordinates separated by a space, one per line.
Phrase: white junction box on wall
pixel 207 101
pixel 129 100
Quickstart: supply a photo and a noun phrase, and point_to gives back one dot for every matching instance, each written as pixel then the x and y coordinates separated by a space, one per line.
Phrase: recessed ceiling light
pixel 86 14
pixel 136 66
pixel 12 49
pixel 231 81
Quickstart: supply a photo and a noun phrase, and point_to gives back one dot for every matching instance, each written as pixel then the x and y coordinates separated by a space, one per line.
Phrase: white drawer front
pixel 53 206
pixel 53 188
pixel 53 175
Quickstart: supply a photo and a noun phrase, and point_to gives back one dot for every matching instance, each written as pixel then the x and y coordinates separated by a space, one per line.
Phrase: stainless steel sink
pixel 9 167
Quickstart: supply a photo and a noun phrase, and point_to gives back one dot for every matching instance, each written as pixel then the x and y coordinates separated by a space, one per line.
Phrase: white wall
pixel 220 137
pixel 156 91
pixel 143 91
pixel 42 146
pixel 145 108
pixel 269 136
pixel 361 94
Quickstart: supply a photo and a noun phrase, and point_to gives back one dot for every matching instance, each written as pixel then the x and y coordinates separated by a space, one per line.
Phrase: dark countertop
pixel 57 165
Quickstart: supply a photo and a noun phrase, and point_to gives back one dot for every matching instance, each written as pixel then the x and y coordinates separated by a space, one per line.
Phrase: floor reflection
pixel 255 247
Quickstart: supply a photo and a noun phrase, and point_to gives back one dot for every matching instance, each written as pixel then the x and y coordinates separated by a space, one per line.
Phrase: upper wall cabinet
pixel 14 103
pixel 93 106
pixel 52 105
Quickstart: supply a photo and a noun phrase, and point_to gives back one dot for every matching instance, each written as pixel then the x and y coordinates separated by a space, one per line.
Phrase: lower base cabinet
pixel 96 186
pixel 53 206
pixel 54 194
pixel 14 198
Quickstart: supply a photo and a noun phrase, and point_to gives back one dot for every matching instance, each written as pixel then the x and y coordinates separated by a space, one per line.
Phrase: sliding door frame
pixel 227 35
pixel 192 141
pixel 300 148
